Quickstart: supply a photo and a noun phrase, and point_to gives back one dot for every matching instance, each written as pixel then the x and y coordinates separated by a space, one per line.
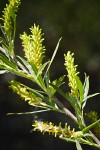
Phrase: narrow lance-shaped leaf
pixel 29 113
pixel 90 126
pixel 58 83
pixel 6 61
pixel 80 88
pixel 3 71
pixel 86 86
pixel 27 65
pixel 78 146
pixel 41 68
pixel 92 95
pixel 54 54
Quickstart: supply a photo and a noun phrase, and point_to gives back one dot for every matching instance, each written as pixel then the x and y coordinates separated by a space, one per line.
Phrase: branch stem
pixel 67 112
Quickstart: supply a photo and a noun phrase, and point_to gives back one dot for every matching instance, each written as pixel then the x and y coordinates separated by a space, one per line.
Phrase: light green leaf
pixel 3 71
pixel 90 126
pixel 40 70
pixel 27 65
pixel 86 86
pixel 86 90
pixel 58 83
pixel 54 54
pixel 92 95
pixel 29 113
pixel 78 146
pixel 80 88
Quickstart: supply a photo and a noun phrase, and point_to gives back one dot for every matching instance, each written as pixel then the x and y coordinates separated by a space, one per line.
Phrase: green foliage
pixel 35 70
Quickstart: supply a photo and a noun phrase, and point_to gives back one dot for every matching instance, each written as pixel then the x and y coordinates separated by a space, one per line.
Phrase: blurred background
pixel 78 23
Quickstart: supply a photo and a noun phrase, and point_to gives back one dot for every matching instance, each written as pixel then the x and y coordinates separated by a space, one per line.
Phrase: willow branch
pixel 67 112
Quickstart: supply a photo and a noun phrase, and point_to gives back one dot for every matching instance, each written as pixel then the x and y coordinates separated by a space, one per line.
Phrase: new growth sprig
pixel 33 68
pixel 9 24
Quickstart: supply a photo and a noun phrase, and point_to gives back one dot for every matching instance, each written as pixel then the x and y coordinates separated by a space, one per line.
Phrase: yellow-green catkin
pixel 9 12
pixel 33 47
pixel 53 129
pixel 25 94
pixel 72 72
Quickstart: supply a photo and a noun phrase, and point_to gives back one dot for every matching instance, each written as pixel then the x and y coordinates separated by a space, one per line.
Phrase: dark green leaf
pixel 6 61
pixel 40 95
pixel 60 91
pixel 5 48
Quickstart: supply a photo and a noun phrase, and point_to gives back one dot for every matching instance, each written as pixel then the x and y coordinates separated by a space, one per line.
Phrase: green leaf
pixel 92 95
pixel 58 83
pixel 3 71
pixel 40 70
pixel 5 48
pixel 86 86
pixel 27 65
pixel 53 56
pixel 40 95
pixel 3 33
pixel 6 61
pixel 86 91
pixel 1 39
pixel 74 102
pixel 90 126
pixel 29 113
pixel 60 91
pixel 78 145
pixel 80 88
pixel 38 78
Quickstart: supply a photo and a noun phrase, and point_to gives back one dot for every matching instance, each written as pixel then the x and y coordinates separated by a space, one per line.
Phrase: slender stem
pixel 28 113
pixel 89 143
pixel 22 67
pixel 95 138
pixel 83 141
pixel 67 112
